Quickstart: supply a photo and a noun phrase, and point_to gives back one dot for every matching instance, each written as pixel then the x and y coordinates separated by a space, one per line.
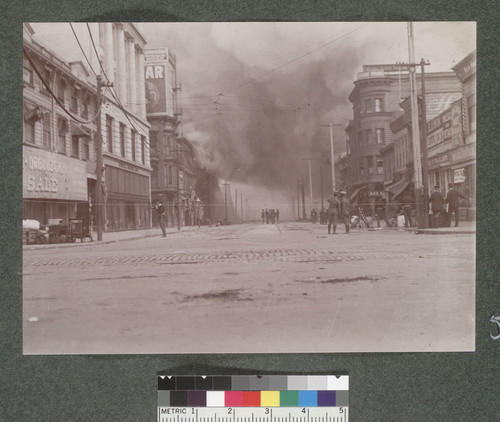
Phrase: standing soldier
pixel 160 209
pixel 345 210
pixel 333 212
pixel 266 214
pixel 263 216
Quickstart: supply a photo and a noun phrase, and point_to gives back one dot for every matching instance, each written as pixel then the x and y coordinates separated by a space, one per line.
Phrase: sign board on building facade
pixel 459 175
pixel 47 175
pixel 396 67
pixel 155 75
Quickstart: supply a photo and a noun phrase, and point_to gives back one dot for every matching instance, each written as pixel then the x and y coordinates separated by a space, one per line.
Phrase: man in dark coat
pixel 453 201
pixel 437 205
pixel 160 209
pixel 333 212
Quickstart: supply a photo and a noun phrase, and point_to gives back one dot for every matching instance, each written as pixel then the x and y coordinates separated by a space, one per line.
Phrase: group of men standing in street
pixel 270 216
pixel 339 209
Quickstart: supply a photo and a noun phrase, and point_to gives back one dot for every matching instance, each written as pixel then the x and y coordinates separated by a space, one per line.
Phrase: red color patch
pixel 233 399
pixel 251 398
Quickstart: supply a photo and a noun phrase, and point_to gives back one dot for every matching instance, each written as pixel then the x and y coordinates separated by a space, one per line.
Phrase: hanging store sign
pixel 459 175
pixel 47 175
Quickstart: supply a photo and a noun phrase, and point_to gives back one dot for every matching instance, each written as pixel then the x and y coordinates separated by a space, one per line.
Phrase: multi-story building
pixel 59 109
pixel 125 129
pixel 376 98
pixel 114 50
pixel 172 156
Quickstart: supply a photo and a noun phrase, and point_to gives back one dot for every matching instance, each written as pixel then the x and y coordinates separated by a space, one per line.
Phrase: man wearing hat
pixel 437 205
pixel 333 212
pixel 345 210
pixel 453 201
pixel 160 209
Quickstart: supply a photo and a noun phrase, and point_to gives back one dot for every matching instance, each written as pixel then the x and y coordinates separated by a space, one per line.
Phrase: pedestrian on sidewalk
pixel 333 212
pixel 345 210
pixel 160 209
pixel 453 201
pixel 437 206
pixel 407 207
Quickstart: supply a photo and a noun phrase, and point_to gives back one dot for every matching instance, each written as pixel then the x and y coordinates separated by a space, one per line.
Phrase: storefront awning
pixel 353 195
pixel 398 187
pixel 78 130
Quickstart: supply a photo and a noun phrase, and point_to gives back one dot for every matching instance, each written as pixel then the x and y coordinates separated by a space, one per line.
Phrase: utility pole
pixel 298 200
pixel 241 204
pixel 332 156
pixel 303 201
pixel 423 63
pixel 321 184
pixel 177 150
pixel 236 202
pixel 225 198
pixel 98 173
pixel 415 130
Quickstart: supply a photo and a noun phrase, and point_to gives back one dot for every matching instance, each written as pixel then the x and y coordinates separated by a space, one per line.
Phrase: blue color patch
pixel 308 398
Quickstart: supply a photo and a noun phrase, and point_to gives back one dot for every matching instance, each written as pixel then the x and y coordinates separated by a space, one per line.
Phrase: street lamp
pixel 331 125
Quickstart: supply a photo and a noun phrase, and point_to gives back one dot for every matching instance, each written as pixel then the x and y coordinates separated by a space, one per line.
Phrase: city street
pixel 252 288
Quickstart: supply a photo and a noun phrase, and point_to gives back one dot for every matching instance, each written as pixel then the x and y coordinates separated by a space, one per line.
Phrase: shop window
pixel 29 131
pixel 369 165
pixel 47 78
pixel 27 75
pixel 74 100
pixel 379 136
pixel 369 137
pixel 380 165
pixel 85 106
pixel 85 149
pixel 143 149
pixel 367 105
pixel 361 167
pixel 62 125
pixel 109 133
pixel 153 147
pixel 61 90
pixel 122 139
pixel 47 133
pixel 133 135
pixel 75 146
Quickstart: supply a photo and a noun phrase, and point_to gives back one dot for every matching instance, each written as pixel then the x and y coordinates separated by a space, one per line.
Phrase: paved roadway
pixel 253 288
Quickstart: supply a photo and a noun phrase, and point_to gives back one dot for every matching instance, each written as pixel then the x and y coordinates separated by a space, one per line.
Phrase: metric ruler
pixel 252 398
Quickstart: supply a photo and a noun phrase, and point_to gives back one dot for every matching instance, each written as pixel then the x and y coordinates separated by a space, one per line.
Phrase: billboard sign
pixel 155 75
pixel 47 175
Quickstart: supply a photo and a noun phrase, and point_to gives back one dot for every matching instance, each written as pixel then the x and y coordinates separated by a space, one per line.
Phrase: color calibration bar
pixel 267 398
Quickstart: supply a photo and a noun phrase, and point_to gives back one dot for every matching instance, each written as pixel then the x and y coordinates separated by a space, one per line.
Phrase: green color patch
pixel 289 398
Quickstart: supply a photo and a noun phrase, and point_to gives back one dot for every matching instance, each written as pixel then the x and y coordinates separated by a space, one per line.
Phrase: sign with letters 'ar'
pixel 155 75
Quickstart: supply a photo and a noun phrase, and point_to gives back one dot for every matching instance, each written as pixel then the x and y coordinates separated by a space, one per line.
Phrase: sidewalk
pixel 465 227
pixel 111 237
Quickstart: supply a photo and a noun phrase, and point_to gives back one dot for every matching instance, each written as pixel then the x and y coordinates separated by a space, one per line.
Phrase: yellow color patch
pixel 269 398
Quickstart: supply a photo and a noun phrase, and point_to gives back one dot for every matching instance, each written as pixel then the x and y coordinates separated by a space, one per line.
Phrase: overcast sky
pixel 255 94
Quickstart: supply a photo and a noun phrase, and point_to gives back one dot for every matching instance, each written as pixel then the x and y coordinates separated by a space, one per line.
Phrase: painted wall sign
pixel 47 175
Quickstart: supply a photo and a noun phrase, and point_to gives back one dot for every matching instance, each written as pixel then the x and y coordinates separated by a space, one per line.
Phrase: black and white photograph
pixel 248 187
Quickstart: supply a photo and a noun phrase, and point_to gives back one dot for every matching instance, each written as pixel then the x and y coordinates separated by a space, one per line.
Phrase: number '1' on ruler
pixel 252 398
